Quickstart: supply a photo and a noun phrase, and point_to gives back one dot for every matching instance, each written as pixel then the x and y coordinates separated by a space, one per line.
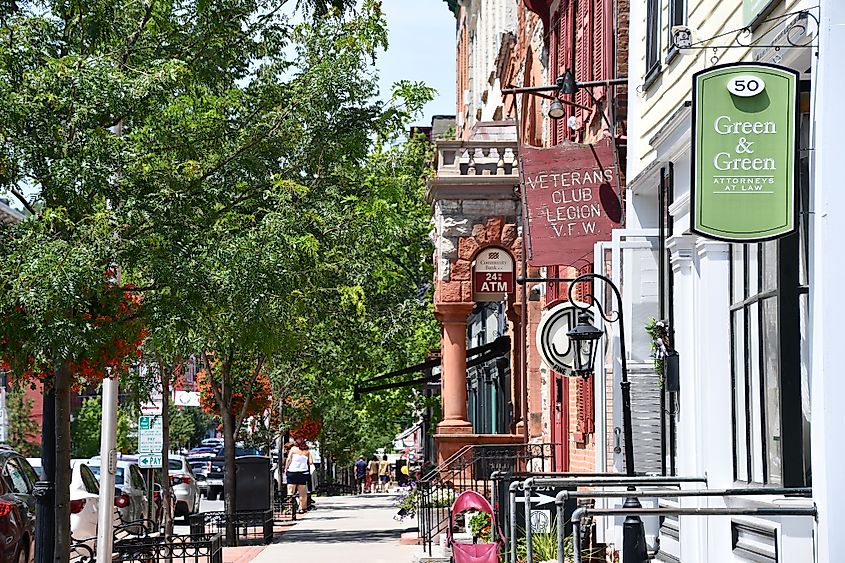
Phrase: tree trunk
pixel 229 475
pixel 165 449
pixel 62 391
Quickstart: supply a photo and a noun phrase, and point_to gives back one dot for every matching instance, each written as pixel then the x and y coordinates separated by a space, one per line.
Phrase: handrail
pixel 705 511
pixel 602 481
pixel 470 468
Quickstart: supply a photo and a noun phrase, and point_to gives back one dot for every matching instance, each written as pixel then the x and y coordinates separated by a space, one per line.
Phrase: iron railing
pixel 246 527
pixel 284 508
pixel 472 468
pixel 202 548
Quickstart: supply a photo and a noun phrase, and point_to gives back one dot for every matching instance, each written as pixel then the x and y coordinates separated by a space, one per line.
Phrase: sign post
pixel 150 441
pixel 744 135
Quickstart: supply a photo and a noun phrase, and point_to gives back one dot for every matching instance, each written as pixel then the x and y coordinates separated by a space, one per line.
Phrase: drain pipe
pixel 514 487
pixel 667 511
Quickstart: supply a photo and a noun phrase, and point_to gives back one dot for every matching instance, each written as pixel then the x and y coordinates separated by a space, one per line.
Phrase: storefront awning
pixel 475 356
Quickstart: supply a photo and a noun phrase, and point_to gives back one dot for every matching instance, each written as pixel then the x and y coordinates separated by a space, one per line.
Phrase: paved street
pixel 359 529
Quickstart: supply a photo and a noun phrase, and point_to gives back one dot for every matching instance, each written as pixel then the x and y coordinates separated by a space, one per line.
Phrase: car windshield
pixel 118 474
pixel 174 464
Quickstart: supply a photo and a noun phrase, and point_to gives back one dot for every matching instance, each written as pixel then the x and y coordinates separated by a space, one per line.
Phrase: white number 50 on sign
pixel 746 85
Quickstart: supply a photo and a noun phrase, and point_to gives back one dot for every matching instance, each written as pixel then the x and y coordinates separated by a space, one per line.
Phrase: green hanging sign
pixel 744 135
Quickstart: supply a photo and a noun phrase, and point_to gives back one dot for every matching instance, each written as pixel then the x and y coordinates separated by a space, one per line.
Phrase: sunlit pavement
pixel 347 528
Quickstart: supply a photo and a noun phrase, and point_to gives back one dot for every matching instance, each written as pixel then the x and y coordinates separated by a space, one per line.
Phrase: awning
pixel 479 355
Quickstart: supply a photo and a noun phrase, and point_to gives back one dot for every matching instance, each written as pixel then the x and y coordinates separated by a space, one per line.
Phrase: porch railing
pixel 472 468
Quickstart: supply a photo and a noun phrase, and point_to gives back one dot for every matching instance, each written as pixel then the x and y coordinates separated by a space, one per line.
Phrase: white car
pixel 184 485
pixel 130 494
pixel 84 503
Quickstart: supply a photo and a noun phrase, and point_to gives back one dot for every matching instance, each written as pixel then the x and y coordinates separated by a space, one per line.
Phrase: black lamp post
pixel 585 339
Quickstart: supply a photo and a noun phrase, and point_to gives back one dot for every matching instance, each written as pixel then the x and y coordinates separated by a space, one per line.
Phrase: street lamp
pixel 585 339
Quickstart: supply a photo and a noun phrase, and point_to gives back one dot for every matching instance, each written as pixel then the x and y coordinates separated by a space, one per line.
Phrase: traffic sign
pixel 150 435
pixel 149 461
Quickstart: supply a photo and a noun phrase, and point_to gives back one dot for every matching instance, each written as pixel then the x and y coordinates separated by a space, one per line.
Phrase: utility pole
pixel 108 450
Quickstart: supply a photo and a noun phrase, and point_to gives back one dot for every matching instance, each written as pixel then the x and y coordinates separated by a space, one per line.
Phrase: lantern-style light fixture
pixel 556 110
pixel 585 338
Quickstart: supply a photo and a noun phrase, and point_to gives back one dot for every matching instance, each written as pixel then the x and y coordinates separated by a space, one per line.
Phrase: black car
pixel 17 507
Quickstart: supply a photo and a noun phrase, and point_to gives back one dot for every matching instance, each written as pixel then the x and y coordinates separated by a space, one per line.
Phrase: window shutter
pixel 563 59
pixel 583 48
pixel 585 423
pixel 600 40
pixel 645 418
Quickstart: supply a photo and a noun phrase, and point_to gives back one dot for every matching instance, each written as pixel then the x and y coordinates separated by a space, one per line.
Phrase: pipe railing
pixel 603 480
pixel 563 496
pixel 667 511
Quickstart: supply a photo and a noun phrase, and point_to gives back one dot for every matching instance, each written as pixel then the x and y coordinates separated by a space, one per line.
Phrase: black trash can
pixel 253 481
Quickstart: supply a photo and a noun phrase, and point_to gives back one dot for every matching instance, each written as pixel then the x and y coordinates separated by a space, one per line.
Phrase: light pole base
pixel 634 548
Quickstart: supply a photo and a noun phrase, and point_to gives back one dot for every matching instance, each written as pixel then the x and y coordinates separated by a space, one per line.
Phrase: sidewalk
pixel 360 529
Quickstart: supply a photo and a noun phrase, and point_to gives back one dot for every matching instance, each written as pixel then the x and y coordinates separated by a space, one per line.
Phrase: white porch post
pixel 827 297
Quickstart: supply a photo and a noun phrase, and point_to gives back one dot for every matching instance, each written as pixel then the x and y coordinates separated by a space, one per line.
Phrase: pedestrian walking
pixel 383 474
pixel 298 471
pixel 372 475
pixel 361 475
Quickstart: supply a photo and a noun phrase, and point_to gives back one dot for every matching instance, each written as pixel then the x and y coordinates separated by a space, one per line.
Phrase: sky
pixel 421 48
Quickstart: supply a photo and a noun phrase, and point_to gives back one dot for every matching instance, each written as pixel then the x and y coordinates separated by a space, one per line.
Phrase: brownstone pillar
pixel 453 353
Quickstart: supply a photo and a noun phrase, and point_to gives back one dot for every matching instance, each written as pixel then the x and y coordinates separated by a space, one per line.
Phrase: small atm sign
pixel 493 275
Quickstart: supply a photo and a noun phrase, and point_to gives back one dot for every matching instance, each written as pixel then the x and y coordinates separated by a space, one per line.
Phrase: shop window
pixel 652 41
pixel 769 356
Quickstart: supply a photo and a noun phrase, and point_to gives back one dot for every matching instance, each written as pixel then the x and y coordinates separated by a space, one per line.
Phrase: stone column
pixel 453 318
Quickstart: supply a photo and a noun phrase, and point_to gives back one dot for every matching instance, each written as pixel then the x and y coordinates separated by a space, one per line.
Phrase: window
pixel 677 16
pixel 16 478
pixel 89 481
pixel 769 355
pixel 652 40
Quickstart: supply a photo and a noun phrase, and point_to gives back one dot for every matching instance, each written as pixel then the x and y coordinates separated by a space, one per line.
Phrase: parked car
pixel 214 479
pixel 85 505
pixel 17 507
pixel 213 442
pixel 200 465
pixel 159 508
pixel 132 498
pixel 184 485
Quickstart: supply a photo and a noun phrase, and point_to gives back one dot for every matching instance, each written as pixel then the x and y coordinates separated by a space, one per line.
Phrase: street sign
pixel 552 340
pixel 149 461
pixel 543 510
pixel 150 441
pixel 153 408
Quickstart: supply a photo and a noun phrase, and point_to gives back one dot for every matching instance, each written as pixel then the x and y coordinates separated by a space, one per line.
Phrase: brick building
pixel 476 206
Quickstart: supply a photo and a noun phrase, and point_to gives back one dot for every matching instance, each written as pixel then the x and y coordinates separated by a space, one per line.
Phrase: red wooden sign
pixel 569 201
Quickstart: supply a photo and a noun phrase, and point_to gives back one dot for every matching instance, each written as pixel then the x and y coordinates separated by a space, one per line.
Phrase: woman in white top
pixel 298 471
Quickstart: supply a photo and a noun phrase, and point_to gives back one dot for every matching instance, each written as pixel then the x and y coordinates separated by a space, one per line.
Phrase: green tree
pixel 22 428
pixel 86 429
pixel 183 426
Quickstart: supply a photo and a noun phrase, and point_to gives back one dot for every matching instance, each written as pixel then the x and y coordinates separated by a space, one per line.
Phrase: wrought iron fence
pixel 471 468
pixel 284 508
pixel 195 548
pixel 246 527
